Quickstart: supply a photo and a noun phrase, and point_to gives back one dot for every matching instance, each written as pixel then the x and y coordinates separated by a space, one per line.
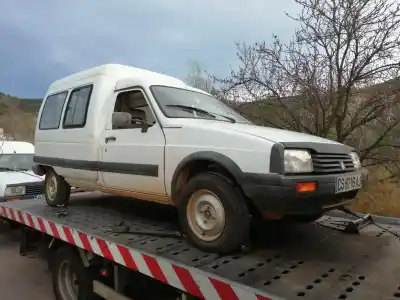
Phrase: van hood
pixel 11 177
pixel 276 135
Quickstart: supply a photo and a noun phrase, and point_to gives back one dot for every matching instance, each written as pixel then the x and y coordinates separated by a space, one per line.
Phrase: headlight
pixel 298 161
pixel 356 160
pixel 14 191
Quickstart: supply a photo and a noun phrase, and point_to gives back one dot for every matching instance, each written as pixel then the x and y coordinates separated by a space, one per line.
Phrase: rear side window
pixel 77 107
pixel 51 112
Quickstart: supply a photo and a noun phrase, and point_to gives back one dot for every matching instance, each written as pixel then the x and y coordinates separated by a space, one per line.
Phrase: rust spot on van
pixel 141 195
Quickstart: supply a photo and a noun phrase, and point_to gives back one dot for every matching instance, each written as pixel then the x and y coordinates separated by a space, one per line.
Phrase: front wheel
pixel 213 214
pixel 56 189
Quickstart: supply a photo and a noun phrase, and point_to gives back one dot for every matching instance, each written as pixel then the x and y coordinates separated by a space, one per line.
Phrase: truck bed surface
pixel 291 261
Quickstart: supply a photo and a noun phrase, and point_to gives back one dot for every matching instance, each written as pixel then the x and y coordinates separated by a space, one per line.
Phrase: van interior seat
pixel 138 114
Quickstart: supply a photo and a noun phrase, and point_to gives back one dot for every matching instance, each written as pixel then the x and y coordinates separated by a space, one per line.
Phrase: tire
pixel 227 203
pixel 56 189
pixel 66 261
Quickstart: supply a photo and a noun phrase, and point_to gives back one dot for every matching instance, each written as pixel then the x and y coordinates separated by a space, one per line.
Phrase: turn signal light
pixel 304 187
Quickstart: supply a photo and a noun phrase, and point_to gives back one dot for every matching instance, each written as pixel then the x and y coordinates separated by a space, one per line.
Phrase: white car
pixel 135 133
pixel 17 180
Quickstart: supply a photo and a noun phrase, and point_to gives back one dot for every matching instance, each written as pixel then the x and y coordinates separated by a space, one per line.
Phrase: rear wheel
pixel 213 214
pixel 56 189
pixel 71 280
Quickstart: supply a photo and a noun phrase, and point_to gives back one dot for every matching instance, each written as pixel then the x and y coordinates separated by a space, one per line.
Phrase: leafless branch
pixel 337 78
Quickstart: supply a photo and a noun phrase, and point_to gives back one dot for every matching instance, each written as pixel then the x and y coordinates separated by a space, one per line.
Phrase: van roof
pixel 118 72
pixel 8 147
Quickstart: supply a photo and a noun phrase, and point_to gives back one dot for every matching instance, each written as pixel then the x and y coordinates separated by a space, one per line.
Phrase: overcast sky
pixel 41 41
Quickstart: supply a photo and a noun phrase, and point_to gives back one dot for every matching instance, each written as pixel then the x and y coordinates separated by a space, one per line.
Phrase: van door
pixel 132 159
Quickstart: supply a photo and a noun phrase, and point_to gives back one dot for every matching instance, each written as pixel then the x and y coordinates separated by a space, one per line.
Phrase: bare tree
pixel 331 80
pixel 198 78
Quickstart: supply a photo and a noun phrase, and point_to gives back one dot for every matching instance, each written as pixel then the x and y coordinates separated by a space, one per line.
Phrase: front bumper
pixel 277 195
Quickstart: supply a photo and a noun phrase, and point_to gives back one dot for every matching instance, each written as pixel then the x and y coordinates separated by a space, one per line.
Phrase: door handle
pixel 110 138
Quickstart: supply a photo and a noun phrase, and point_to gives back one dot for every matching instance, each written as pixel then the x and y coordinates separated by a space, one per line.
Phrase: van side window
pixel 51 112
pixel 134 102
pixel 77 107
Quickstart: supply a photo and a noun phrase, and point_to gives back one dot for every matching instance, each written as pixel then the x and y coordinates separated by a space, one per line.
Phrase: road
pixel 21 277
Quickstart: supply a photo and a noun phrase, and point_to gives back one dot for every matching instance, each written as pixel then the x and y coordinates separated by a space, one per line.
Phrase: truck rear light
pixel 104 272
pixel 305 187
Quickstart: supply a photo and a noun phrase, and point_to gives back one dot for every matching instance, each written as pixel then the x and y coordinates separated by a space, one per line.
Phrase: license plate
pixel 39 197
pixel 347 183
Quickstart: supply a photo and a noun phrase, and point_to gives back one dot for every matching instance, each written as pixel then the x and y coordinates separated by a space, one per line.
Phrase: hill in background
pixel 18 116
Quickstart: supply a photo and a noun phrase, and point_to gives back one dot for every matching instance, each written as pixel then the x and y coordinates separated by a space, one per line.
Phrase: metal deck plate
pixel 292 261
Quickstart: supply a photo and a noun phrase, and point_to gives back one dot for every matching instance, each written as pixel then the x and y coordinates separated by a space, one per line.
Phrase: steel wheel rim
pixel 67 282
pixel 51 187
pixel 206 215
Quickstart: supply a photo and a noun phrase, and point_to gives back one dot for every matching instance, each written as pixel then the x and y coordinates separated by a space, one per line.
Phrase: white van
pixel 140 134
pixel 17 181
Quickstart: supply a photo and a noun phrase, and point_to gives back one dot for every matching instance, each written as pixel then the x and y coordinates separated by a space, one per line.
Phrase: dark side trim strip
pixel 122 168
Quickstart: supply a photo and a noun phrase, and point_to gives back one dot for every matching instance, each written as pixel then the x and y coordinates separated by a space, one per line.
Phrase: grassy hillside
pixel 18 116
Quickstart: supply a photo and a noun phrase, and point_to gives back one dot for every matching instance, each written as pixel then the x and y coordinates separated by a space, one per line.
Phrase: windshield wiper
pixel 211 114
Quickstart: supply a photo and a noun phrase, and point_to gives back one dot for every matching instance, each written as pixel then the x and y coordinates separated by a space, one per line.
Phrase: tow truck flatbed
pixel 294 261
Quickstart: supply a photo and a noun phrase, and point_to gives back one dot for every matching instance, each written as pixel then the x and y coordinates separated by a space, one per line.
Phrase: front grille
pixel 34 189
pixel 326 163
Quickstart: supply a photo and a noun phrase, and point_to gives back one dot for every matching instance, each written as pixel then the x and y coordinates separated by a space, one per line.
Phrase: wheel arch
pixel 41 170
pixel 199 158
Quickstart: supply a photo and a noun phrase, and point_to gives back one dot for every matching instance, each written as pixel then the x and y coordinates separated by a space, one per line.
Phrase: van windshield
pixel 16 162
pixel 181 103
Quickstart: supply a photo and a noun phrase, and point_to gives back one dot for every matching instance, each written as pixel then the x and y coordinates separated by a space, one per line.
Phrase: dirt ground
pixel 22 277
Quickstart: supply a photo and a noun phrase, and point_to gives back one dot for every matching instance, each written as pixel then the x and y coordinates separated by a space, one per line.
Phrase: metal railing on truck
pixel 291 262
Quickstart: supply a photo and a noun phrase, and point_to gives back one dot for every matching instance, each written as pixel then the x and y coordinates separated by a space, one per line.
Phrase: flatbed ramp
pixel 290 262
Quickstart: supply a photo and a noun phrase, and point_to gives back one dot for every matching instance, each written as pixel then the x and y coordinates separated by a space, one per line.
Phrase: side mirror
pixel 120 119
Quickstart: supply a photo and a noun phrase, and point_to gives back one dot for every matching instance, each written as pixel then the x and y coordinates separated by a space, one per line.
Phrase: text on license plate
pixel 347 183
